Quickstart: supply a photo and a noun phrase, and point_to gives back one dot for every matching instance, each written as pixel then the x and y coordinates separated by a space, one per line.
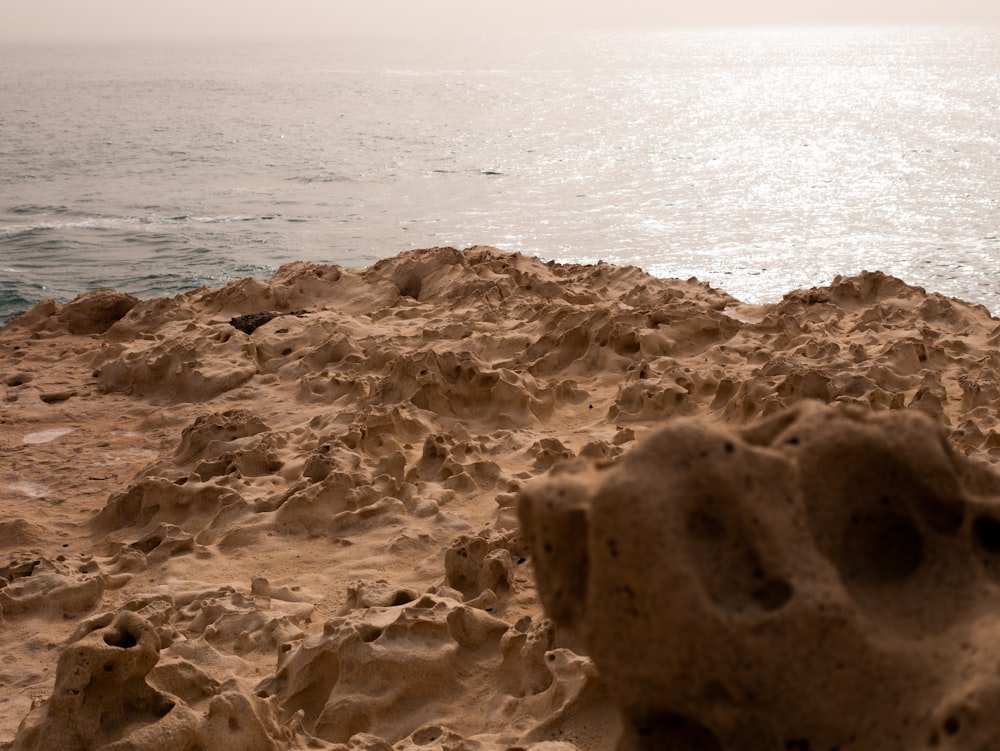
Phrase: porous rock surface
pixel 307 487
pixel 103 700
pixel 822 579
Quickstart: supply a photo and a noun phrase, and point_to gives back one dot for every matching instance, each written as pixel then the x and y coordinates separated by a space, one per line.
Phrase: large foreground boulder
pixel 825 579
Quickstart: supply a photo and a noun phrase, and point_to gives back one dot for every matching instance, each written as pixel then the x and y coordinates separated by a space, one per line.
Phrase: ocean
pixel 760 161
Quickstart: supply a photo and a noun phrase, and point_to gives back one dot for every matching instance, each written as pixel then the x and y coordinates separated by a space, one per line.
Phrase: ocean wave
pixel 324 177
pixel 20 294
pixel 37 209
pixel 116 222
pixel 18 298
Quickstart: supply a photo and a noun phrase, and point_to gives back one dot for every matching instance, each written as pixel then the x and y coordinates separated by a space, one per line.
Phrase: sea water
pixel 758 160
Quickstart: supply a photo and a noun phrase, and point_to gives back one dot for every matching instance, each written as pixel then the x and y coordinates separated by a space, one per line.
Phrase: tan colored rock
pixel 103 701
pixel 258 498
pixel 101 691
pixel 824 579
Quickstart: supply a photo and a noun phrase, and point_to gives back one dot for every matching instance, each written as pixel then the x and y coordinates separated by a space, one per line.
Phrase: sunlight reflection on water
pixel 760 162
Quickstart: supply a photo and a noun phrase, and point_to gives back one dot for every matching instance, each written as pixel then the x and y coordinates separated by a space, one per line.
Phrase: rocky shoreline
pixel 284 514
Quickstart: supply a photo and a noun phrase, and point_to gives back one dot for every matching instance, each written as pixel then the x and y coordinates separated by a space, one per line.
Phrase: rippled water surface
pixel 759 161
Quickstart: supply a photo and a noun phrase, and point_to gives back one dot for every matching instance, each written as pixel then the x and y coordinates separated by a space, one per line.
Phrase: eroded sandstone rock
pixel 823 579
pixel 103 700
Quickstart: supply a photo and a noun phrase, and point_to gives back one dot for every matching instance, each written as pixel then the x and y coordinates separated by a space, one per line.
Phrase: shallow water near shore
pixel 758 161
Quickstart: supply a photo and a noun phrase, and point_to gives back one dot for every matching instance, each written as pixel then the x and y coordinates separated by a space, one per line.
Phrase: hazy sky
pixel 142 19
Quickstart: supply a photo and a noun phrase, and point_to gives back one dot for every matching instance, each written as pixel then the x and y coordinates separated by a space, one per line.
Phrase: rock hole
pixel 676 731
pixel 411 287
pixel 368 632
pixel 882 547
pixel 798 744
pixel 427 736
pixel 951 725
pixel 109 667
pixel 402 597
pixel 147 545
pixel 773 594
pixel 986 531
pixel 234 725
pixel 123 639
pixel 730 448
